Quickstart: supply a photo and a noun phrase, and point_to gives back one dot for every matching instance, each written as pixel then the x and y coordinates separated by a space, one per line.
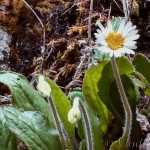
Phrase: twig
pixel 83 58
pixel 127 14
pixel 90 24
pixel 125 9
pixel 109 10
pixel 79 66
pixel 118 5
pixel 43 28
pixel 69 8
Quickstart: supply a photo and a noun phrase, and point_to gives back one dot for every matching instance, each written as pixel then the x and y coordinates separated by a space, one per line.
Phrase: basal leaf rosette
pixel 117 38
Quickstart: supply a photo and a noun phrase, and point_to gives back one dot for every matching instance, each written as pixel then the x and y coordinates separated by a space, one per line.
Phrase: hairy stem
pixel 128 113
pixel 57 121
pixel 87 126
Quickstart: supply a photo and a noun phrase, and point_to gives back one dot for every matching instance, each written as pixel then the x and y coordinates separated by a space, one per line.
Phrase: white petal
pixel 132 38
pixel 129 43
pixel 132 33
pixel 109 25
pixel 103 49
pixel 107 50
pixel 121 27
pixel 106 32
pixel 100 48
pixel 100 26
pixel 103 42
pixel 117 53
pixel 128 51
pixel 121 50
pixel 131 47
pixel 127 27
pixel 99 31
pixel 125 33
pixel 111 53
pixel 99 36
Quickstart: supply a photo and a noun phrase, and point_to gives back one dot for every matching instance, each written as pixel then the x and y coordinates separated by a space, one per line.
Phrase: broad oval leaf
pixel 24 96
pixel 120 144
pixel 90 91
pixel 131 94
pixel 33 128
pixel 147 91
pixel 142 65
pixel 8 139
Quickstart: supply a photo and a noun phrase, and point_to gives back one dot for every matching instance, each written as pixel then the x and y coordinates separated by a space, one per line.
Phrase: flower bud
pixel 43 87
pixel 74 114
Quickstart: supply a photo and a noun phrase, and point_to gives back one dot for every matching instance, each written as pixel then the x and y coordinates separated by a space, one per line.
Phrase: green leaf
pixel 119 144
pixel 33 128
pixel 8 140
pixel 24 96
pixel 131 94
pixel 116 23
pixel 76 92
pixel 147 91
pixel 109 94
pixel 82 145
pixel 139 83
pixel 107 77
pixel 90 91
pixel 63 106
pixel 98 55
pixel 133 98
pixel 142 79
pixel 142 65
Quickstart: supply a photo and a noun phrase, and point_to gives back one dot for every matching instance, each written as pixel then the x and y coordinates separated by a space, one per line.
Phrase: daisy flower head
pixel 117 38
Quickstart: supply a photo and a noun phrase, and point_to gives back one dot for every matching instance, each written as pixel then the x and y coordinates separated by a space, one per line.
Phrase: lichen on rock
pixel 5 40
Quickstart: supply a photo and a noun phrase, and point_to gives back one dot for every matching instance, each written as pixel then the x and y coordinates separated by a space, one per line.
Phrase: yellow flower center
pixel 114 40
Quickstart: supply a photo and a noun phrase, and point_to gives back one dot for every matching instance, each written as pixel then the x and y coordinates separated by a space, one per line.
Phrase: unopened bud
pixel 74 114
pixel 43 87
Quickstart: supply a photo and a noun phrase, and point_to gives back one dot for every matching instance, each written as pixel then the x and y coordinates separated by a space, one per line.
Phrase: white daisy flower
pixel 117 38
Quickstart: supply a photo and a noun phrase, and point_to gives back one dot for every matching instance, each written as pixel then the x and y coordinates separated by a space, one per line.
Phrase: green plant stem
pixel 57 122
pixel 128 113
pixel 87 126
